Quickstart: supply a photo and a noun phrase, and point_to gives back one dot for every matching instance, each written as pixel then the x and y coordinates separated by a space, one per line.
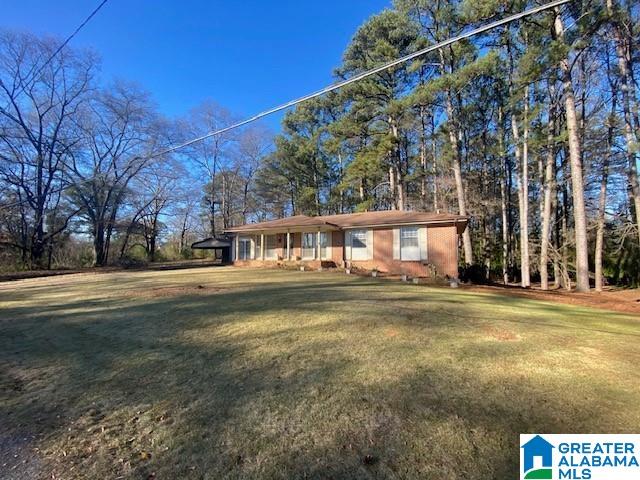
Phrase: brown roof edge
pixel 355 220
pixel 462 224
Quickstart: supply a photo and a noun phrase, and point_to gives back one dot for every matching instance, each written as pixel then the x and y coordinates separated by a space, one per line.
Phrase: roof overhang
pixel 325 226
pixel 460 224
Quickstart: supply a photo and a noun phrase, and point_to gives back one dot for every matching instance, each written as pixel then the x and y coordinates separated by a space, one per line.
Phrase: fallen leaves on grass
pixel 501 334
pixel 175 291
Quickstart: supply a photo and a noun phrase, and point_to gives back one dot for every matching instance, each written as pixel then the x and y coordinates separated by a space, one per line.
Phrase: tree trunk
pixel 602 204
pixel 602 198
pixel 98 245
pixel 37 241
pixel 504 192
pixel 183 233
pixel 457 174
pixel 341 178
pixel 577 182
pixel 223 205
pixel 549 188
pixel 392 186
pixel 524 230
pixel 423 159
pixel 564 247
pixel 434 171
pixel 401 191
pixel 624 57
pixel 522 175
pixel 152 239
pixel 557 283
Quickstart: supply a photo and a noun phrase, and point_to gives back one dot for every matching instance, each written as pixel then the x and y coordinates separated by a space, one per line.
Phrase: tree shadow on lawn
pixel 127 389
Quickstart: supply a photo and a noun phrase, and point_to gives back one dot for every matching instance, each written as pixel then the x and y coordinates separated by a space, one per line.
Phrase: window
pixel 324 243
pixel 308 246
pixel 409 243
pixel 270 252
pixel 244 249
pixel 359 245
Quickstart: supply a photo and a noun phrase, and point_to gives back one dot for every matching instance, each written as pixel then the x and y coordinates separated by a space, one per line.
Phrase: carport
pixel 220 245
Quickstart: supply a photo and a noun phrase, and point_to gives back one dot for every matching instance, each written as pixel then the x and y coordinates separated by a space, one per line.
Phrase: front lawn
pixel 241 373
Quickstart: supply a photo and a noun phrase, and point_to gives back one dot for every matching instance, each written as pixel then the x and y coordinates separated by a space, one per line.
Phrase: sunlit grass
pixel 238 373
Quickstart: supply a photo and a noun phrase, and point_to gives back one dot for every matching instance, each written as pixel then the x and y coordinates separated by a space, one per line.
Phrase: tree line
pixel 530 129
pixel 80 179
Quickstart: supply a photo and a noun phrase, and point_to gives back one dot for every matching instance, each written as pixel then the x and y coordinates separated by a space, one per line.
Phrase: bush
pixel 474 274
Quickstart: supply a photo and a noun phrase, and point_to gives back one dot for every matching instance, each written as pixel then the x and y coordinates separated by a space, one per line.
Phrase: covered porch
pixel 318 244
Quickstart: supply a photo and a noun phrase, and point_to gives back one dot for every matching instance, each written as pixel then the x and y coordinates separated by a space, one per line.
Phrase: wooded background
pixel 531 129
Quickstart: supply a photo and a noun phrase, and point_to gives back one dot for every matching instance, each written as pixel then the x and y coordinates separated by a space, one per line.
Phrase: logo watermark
pixel 579 457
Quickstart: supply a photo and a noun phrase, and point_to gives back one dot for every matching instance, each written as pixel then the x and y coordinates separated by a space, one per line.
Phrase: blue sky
pixel 246 55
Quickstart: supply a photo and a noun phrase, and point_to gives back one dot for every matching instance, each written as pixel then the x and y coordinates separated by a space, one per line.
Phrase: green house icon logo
pixel 537 462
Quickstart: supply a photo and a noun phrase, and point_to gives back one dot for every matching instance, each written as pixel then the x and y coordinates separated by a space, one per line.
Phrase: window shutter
pixel 396 244
pixel 347 244
pixel 370 244
pixel 422 242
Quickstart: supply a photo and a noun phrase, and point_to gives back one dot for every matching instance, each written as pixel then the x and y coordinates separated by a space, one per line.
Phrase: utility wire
pixel 69 38
pixel 366 74
pixel 329 88
pixel 39 71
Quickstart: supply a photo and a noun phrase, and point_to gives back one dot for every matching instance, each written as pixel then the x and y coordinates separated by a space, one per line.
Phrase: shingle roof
pixel 350 220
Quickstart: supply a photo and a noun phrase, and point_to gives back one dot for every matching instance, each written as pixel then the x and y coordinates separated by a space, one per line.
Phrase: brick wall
pixel 442 248
pixel 442 252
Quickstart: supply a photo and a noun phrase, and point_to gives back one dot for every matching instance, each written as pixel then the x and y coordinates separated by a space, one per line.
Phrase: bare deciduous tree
pixel 38 104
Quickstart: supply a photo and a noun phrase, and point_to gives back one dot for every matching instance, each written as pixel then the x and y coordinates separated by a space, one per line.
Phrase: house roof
pixel 353 220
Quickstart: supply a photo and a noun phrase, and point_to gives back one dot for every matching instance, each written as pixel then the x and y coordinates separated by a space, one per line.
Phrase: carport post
pixel 237 253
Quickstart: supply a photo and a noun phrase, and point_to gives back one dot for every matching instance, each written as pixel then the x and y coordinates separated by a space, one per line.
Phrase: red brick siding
pixel 442 248
pixel 442 251
pixel 383 257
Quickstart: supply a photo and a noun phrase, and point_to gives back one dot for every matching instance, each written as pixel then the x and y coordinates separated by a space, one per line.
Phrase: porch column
pixel 318 245
pixel 237 247
pixel 288 245
pixel 262 246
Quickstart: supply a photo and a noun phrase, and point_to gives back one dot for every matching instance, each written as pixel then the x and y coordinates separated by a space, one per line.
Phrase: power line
pixel 329 88
pixel 69 38
pixel 366 74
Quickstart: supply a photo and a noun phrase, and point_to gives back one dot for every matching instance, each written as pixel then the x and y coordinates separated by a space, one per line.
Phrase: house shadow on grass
pixel 254 384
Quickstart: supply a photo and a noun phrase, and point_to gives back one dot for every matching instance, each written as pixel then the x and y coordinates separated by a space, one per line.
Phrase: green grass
pixel 276 374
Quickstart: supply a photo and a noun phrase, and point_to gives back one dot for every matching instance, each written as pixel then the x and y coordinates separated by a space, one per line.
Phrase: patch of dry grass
pixel 238 373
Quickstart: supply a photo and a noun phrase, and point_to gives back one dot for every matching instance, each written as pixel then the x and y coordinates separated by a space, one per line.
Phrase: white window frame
pixel 359 253
pixel 410 253
pixel 312 247
pixel 325 245
pixel 244 248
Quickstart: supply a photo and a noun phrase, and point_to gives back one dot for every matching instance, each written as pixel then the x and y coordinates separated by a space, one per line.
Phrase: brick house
pixel 418 244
